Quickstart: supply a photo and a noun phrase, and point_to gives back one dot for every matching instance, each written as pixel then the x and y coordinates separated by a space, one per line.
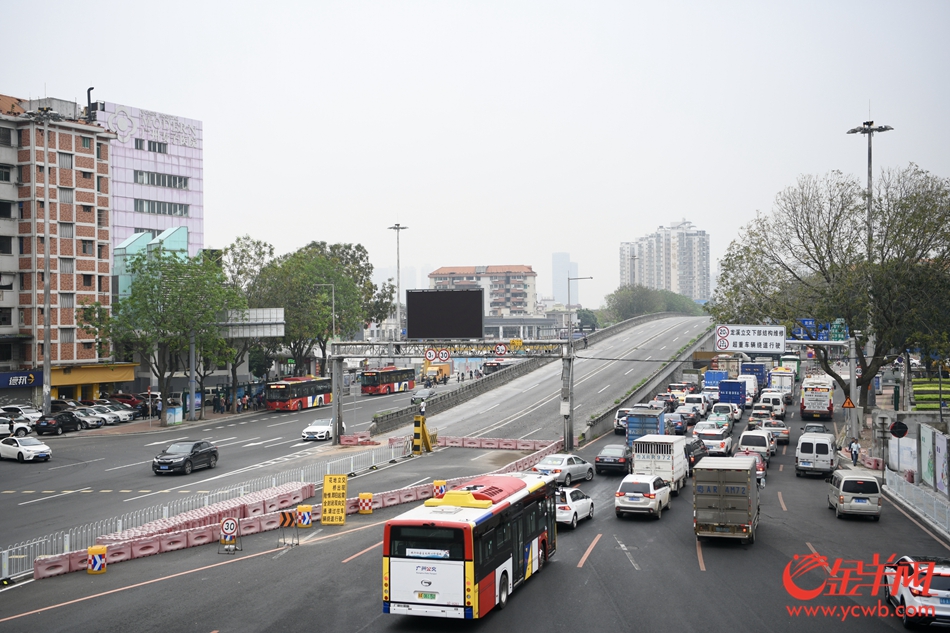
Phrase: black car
pixel 58 423
pixel 184 457
pixel 676 423
pixel 689 412
pixel 695 451
pixel 616 457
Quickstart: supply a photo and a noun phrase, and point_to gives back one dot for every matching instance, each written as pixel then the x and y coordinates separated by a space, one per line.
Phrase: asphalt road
pixel 608 574
pixel 93 477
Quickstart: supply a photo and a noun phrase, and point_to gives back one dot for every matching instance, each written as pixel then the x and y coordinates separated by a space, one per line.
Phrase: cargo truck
pixel 733 392
pixel 643 421
pixel 793 362
pixel 782 379
pixel 758 370
pixel 693 378
pixel 725 498
pixel 714 376
pixel 663 456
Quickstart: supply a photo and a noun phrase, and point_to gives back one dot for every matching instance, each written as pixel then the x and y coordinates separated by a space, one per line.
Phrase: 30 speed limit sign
pixel 444 355
pixel 229 527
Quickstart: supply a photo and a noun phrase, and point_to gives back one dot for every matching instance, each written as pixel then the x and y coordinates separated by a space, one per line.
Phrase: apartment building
pixel 508 290
pixel 674 258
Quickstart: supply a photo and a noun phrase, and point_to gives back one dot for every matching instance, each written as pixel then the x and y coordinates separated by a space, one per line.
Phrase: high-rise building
pixel 563 268
pixel 674 258
pixel 509 290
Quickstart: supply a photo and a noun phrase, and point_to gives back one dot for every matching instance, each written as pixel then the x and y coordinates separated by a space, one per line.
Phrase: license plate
pixel 163 467
pixel 945 601
pixel 860 500
pixel 808 464
pixel 42 455
pixel 545 472
pixel 722 529
pixel 426 596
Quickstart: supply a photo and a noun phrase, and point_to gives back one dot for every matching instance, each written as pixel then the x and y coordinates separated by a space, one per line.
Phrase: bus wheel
pixel 503 592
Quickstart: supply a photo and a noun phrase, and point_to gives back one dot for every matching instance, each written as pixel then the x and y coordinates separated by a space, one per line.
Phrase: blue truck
pixel 733 391
pixel 759 370
pixel 714 376
pixel 644 421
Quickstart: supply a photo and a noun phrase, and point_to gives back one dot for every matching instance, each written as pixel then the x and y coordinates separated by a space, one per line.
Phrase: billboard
pixel 767 339
pixel 444 314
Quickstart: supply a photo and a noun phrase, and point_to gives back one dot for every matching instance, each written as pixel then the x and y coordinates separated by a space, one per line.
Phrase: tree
pixel 171 296
pixel 813 257
pixel 631 300
pixel 376 303
pixel 587 319
pixel 259 361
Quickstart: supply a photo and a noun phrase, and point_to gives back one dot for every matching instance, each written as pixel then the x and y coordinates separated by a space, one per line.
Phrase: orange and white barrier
pixel 365 503
pixel 49 566
pixel 147 546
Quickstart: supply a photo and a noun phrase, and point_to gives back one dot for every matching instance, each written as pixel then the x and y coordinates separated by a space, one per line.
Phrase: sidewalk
pixel 153 425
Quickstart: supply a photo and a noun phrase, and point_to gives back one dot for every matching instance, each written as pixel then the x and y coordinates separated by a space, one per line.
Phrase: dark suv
pixel 58 423
pixel 695 451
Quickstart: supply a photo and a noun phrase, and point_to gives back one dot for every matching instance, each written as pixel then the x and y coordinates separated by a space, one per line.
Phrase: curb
pixel 936 531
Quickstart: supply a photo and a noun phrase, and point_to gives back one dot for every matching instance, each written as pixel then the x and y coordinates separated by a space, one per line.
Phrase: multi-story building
pixel 62 176
pixel 508 290
pixel 674 258
pixel 562 269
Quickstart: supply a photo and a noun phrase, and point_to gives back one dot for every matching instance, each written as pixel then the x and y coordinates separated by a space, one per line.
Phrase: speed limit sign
pixel 443 355
pixel 430 354
pixel 229 526
pixel 722 331
pixel 501 349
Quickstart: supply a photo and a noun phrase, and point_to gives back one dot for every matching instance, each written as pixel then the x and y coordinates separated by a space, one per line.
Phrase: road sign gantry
pixel 456 349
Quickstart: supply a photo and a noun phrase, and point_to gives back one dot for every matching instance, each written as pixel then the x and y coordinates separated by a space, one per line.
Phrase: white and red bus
pixel 388 380
pixel 297 393
pixel 817 398
pixel 461 555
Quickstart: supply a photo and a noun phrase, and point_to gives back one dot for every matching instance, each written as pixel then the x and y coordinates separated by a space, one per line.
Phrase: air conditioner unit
pixel 18 183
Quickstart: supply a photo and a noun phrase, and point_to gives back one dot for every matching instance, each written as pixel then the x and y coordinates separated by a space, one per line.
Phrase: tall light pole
pixel 567 375
pixel 398 227
pixel 44 114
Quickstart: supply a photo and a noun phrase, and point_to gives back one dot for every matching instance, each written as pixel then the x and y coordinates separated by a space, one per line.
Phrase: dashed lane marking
pixel 590 548
pixel 782 502
pixel 624 549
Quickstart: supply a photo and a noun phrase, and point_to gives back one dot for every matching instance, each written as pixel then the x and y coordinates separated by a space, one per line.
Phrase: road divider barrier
pixel 250 525
pixel 78 560
pixel 118 552
pixel 49 566
pixel 147 546
pixel 172 542
pixel 272 522
pixel 438 487
pixel 349 440
pixel 390 498
pixel 407 495
pixel 253 509
pixel 366 503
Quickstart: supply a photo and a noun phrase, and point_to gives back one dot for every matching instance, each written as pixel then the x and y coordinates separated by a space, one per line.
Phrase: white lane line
pixel 62 494
pixel 664 347
pixel 604 389
pixel 629 370
pixel 361 424
pixel 273 439
pixel 77 464
pixel 239 442
pixel 177 439
pixel 648 357
pixel 127 466
pixel 530 433
pixel 627 552
pixel 290 421
pixel 279 443
pixel 480 456
pixel 530 388
pixel 299 444
pixel 488 409
pixel 416 483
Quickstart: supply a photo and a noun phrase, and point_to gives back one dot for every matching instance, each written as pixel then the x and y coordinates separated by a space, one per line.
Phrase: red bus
pixel 297 393
pixel 461 555
pixel 388 380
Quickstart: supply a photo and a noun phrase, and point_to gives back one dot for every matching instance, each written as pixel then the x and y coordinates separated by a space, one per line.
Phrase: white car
pixel 620 426
pixel 91 419
pixel 573 504
pixel 28 412
pixel 108 415
pixel 712 394
pixel 319 430
pixel 565 468
pixel 24 449
pixel 642 494
pixel 913 603
pixel 125 413
pixel 717 439
pixel 19 428
pixel 729 408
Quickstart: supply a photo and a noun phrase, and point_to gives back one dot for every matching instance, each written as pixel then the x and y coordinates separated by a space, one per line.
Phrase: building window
pixel 65 161
pixel 67 300
pixel 65 196
pixel 66 229
pixel 6 209
pixel 87 208
pixel 86 175
pixel 67 335
pixel 67 265
pixel 6 172
pixel 6 245
pixel 8 286
pixel 103 251
pixel 87 247
pixel 99 150
pixel 161 180
pixel 100 180
pixel 86 281
pixel 87 345
pixel 102 217
pixel 159 148
pixel 6 316
pixel 102 283
pixel 161 208
pixel 149 231
pixel 86 142
pixel 22 281
pixel 40 348
pixel 139 143
pixel 6 137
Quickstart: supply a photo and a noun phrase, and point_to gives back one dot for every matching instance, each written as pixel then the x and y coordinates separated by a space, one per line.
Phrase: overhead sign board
pixel 769 339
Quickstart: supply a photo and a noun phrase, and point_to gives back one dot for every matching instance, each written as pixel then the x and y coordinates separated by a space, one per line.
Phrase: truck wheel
pixel 675 492
pixel 751 539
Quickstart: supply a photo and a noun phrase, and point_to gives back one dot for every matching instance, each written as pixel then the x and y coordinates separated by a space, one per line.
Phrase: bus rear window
pixel 411 541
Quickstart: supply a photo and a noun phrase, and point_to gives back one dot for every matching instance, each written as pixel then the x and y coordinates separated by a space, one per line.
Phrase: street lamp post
pixel 568 374
pixel 398 227
pixel 44 114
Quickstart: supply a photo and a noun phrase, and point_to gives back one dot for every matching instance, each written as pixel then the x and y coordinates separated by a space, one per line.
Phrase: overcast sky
pixel 502 132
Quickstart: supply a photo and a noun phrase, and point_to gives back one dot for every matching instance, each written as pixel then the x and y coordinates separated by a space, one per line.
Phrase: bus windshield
pixel 369 379
pixel 410 541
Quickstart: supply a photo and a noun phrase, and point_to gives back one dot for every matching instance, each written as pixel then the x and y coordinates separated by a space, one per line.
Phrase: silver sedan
pixel 565 468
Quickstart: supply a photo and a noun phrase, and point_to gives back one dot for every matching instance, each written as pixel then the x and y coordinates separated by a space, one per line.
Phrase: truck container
pixel 714 376
pixel 793 362
pixel 782 379
pixel 769 362
pixel 663 456
pixel 725 498
pixel 733 391
pixel 758 370
pixel 693 378
pixel 643 421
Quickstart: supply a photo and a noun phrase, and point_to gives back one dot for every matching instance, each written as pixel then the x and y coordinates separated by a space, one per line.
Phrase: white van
pixel 815 454
pixel 751 385
pixel 758 441
pixel 700 401
pixel 775 399
pixel 851 493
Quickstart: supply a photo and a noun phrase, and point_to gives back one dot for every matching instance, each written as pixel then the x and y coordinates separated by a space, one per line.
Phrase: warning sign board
pixel 749 339
pixel 334 500
pixel 847 403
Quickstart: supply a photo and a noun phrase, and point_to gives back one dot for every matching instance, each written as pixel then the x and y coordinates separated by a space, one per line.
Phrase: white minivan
pixel 700 401
pixel 815 453
pixel 851 493
pixel 775 399
pixel 757 441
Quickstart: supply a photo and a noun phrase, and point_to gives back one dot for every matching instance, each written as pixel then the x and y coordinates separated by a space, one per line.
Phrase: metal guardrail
pixel 928 503
pixel 17 559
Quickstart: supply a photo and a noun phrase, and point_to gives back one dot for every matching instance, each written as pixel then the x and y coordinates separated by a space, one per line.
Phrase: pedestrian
pixel 470 374
pixel 158 407
pixel 458 377
pixel 216 403
pixel 855 451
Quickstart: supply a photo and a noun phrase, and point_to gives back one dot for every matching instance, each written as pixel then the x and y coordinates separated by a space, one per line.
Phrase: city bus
pixel 298 393
pixel 490 367
pixel 388 380
pixel 817 397
pixel 461 554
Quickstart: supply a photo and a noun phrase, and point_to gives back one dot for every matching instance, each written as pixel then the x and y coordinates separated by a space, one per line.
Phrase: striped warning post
pixel 96 563
pixel 303 516
pixel 438 487
pixel 366 503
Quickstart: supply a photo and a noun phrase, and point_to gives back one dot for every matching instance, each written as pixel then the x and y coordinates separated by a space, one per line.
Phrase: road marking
pixel 629 370
pixel 814 551
pixel 177 439
pixel 280 423
pixel 604 389
pixel 479 457
pixel 648 357
pixel 784 448
pixel 263 442
pixel 126 466
pixel 699 556
pixel 488 409
pixel 77 464
pixel 590 548
pixel 782 502
pixel 240 441
pixel 664 347
pixel 627 552
pixel 530 433
pixel 371 547
pixel 298 444
pixel 284 442
pixel 530 388
pixel 914 521
pixel 416 483
pixel 780 467
pixel 125 491
pixel 62 494
pixel 105 491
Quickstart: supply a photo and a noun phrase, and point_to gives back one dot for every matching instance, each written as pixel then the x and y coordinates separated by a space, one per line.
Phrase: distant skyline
pixel 501 133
